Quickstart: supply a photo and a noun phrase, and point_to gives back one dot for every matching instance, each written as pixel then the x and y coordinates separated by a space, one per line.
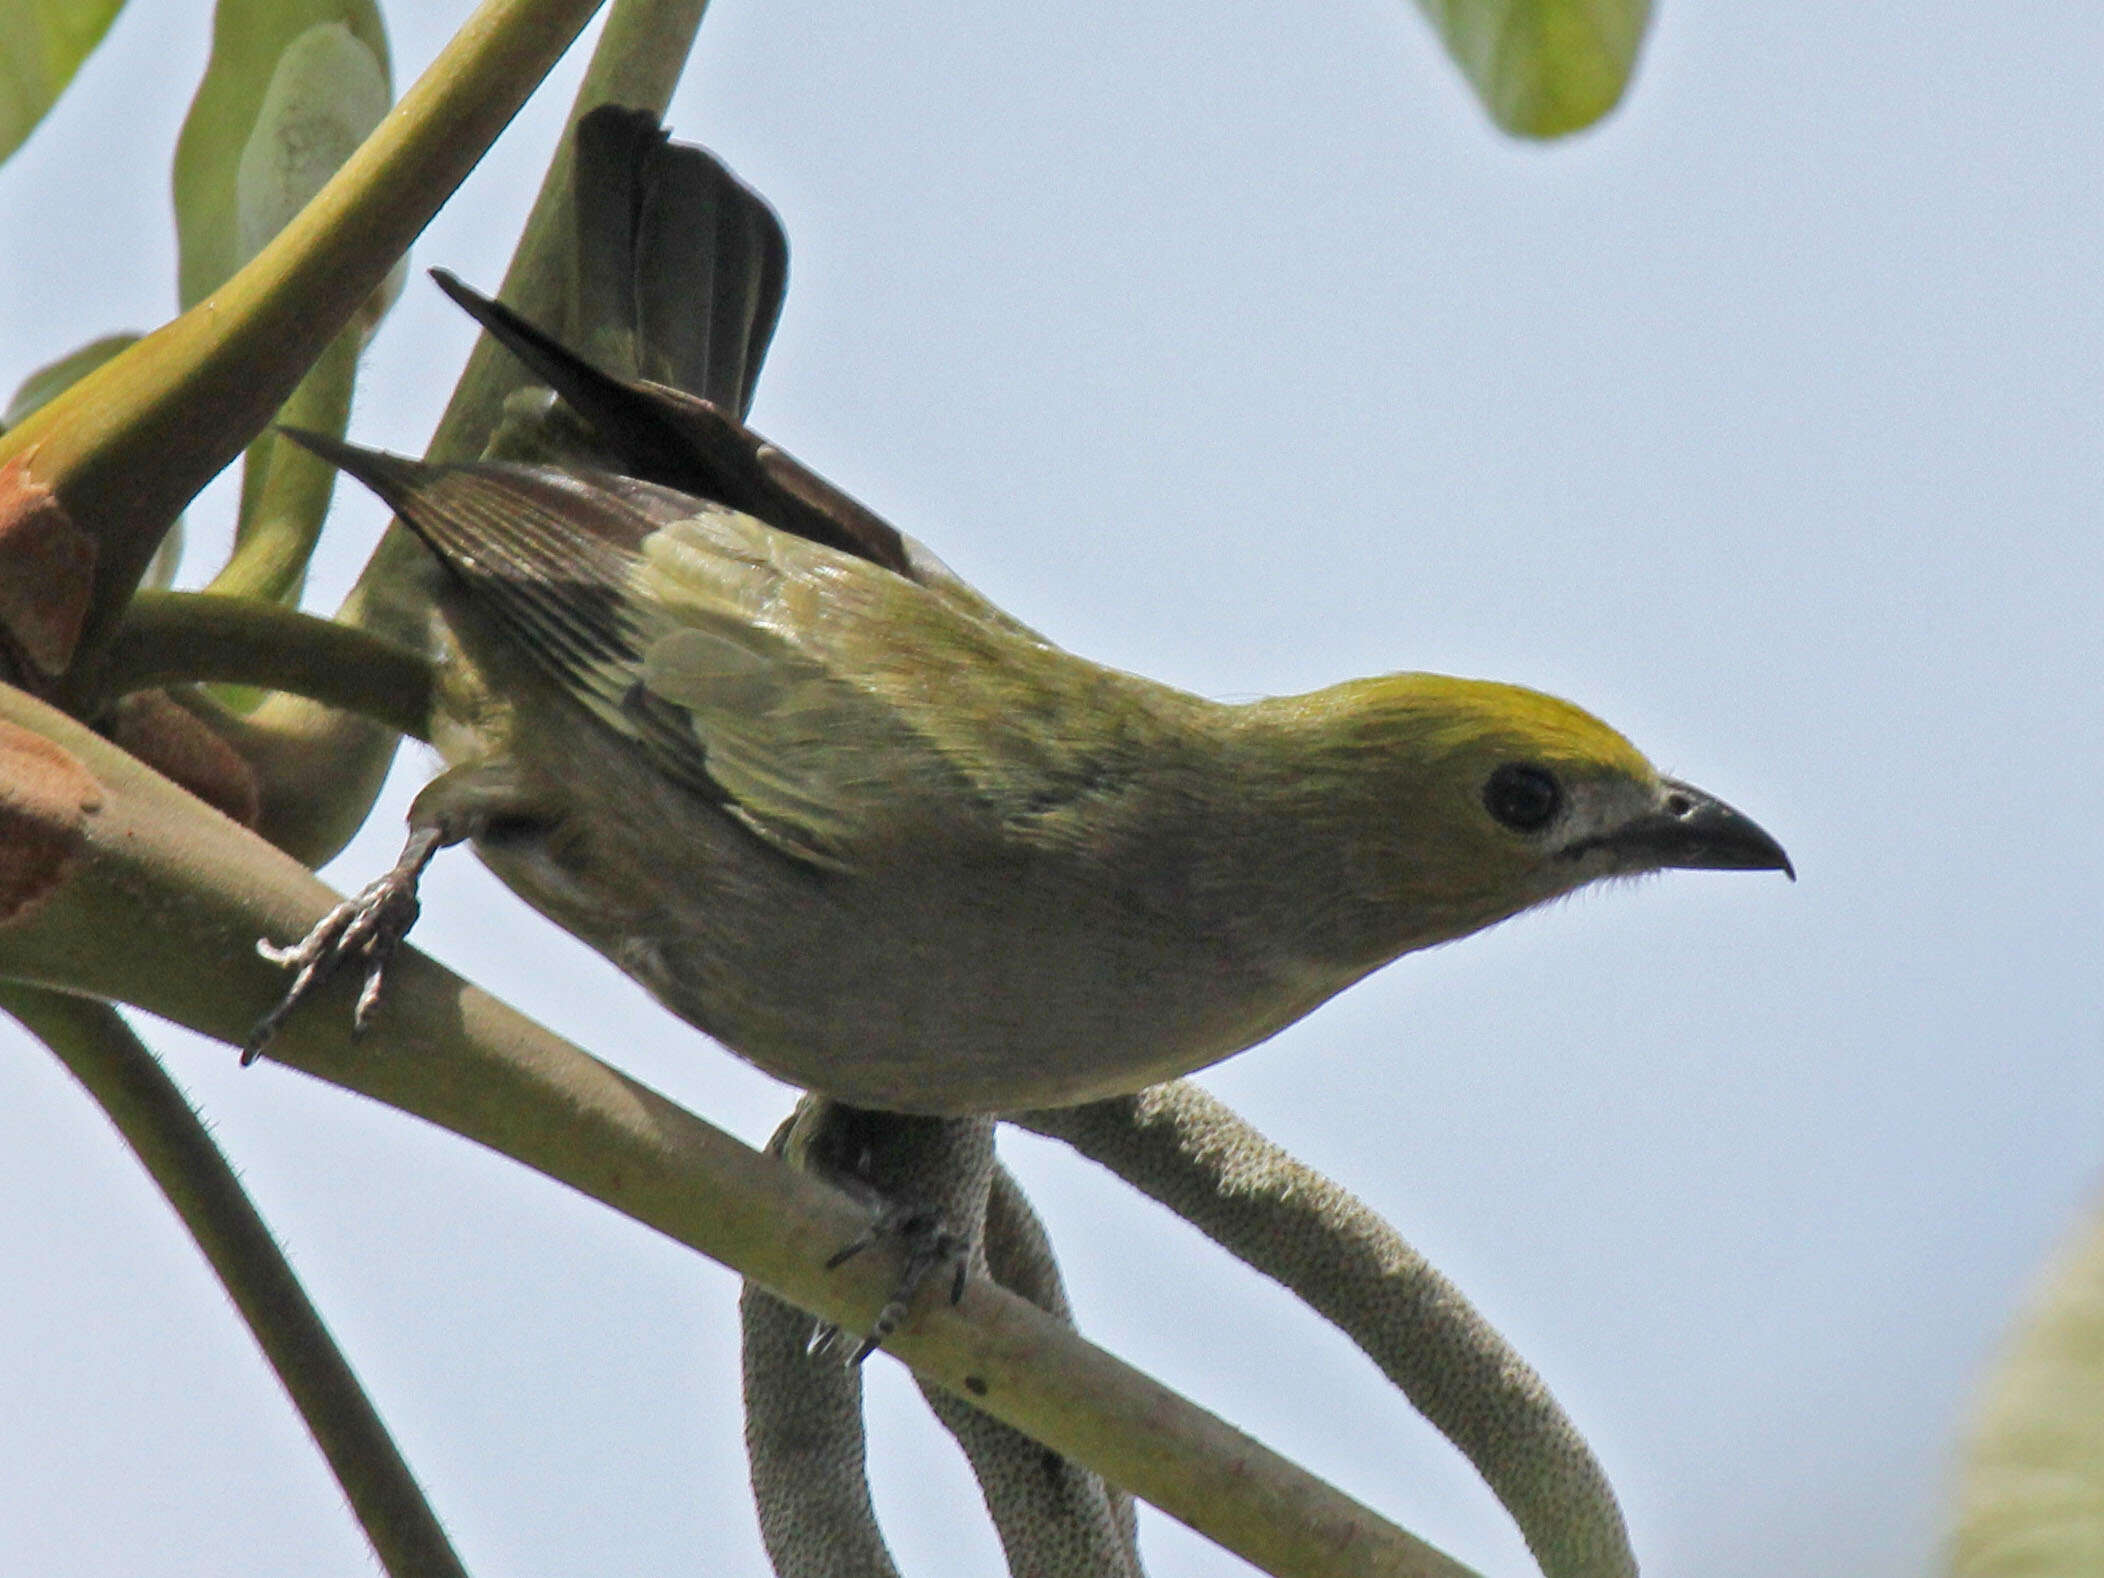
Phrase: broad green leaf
pixel 269 57
pixel 1543 67
pixel 2030 1492
pixel 42 43
pixel 54 378
pixel 327 94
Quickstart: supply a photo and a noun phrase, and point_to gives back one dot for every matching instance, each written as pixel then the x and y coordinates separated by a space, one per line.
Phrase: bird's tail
pixel 680 267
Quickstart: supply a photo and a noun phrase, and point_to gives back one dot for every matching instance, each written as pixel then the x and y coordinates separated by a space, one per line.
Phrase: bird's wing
pixel 841 707
pixel 733 665
pixel 831 706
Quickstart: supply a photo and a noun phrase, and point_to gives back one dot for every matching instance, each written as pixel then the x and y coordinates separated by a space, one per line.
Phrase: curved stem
pixel 282 514
pixel 172 637
pixel 171 1142
pixel 1279 1215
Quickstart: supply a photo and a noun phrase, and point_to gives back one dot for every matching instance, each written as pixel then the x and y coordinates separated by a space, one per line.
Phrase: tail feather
pixel 681 268
pixel 678 277
pixel 545 558
pixel 667 436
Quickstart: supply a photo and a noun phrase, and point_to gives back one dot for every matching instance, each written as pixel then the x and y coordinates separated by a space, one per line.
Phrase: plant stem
pixel 129 445
pixel 282 513
pixel 171 1142
pixel 174 637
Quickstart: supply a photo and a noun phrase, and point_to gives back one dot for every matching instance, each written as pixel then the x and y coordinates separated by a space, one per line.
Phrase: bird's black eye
pixel 1526 799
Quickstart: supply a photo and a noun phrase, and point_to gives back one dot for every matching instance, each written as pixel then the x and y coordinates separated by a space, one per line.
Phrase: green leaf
pixel 2030 1477
pixel 327 94
pixel 1543 68
pixel 289 91
pixel 54 378
pixel 42 43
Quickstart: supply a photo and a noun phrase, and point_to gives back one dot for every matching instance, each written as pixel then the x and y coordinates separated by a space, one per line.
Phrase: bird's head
pixel 1457 803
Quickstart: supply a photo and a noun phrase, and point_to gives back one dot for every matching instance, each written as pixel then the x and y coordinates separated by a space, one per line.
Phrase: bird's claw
pixel 370 926
pixel 929 1245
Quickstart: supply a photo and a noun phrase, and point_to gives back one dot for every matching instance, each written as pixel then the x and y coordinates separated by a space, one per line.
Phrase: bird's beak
pixel 1691 830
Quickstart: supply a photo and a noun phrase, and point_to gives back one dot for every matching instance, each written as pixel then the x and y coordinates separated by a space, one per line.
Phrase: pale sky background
pixel 1229 343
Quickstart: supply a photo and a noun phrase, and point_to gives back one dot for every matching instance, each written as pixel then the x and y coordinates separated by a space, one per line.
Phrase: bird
pixel 860 826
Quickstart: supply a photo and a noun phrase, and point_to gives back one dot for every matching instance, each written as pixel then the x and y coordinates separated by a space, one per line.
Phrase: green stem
pixel 126 447
pixel 282 514
pixel 175 637
pixel 172 1143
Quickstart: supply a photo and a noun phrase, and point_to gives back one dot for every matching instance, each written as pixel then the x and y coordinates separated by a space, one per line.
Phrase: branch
pixel 285 490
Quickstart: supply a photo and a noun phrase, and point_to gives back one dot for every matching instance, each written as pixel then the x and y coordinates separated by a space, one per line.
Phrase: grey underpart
pixel 1194 1155
pixel 803 1420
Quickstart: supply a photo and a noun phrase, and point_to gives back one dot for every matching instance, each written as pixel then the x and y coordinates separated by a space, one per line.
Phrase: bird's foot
pixel 368 927
pixel 929 1245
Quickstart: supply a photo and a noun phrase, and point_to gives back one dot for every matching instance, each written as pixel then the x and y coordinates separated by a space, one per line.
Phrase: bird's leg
pixel 452 808
pixel 925 1180
pixel 368 925
pixel 929 1245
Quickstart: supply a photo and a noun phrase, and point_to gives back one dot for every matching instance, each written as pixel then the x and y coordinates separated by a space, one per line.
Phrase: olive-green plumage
pixel 873 834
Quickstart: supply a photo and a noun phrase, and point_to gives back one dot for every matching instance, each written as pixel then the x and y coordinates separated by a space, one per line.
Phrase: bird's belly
pixel 1001 1019
pixel 933 987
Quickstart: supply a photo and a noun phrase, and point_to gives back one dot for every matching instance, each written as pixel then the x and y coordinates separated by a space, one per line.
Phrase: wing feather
pixel 830 705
